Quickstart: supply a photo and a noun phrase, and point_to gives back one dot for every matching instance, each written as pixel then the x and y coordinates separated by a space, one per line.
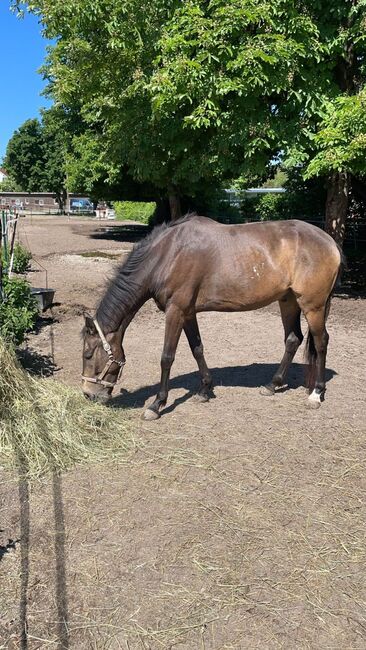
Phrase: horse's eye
pixel 88 353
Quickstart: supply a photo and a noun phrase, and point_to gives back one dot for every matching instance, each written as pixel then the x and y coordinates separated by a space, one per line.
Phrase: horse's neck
pixel 130 315
pixel 123 299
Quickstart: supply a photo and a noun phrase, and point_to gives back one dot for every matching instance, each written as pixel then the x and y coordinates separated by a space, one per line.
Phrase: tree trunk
pixel 162 212
pixel 174 204
pixel 337 206
pixel 62 199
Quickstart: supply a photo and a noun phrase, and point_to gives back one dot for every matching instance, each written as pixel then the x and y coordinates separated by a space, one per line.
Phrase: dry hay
pixel 45 425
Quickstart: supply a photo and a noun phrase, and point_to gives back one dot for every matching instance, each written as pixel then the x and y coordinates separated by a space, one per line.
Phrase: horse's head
pixel 103 360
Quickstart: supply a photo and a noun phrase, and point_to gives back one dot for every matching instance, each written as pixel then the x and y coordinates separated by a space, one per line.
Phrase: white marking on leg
pixel 315 396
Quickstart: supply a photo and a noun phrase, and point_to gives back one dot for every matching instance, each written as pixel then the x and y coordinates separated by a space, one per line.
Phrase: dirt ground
pixel 235 524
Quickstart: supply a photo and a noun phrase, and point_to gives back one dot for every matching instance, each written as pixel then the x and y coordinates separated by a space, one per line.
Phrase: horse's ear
pixel 89 324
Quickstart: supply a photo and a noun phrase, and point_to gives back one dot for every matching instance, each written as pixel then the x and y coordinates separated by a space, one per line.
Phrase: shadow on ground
pixel 37 364
pixel 61 600
pixel 123 233
pixel 252 376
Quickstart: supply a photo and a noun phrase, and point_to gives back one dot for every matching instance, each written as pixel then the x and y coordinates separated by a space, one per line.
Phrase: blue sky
pixel 22 52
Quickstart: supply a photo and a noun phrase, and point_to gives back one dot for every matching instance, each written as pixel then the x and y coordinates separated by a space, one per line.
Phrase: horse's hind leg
pixel 291 314
pixel 194 339
pixel 174 321
pixel 317 346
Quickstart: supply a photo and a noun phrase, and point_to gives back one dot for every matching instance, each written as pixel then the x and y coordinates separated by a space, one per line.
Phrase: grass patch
pixel 47 426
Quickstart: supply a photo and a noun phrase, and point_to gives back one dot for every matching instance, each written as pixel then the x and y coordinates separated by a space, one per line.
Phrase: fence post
pixel 4 237
pixel 15 223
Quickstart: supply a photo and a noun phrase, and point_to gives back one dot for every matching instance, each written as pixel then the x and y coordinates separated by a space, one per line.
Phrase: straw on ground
pixel 45 425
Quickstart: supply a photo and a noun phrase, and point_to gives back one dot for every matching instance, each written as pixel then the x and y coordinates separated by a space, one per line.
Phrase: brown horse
pixel 196 264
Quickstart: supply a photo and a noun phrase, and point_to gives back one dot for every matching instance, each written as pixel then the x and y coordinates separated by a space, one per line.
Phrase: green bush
pixel 22 257
pixel 18 310
pixel 134 211
pixel 294 204
pixel 272 206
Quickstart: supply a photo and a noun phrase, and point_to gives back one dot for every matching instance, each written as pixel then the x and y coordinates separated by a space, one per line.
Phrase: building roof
pixel 265 190
pixel 3 171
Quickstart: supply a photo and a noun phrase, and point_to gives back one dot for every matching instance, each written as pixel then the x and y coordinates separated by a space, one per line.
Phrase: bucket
pixel 44 297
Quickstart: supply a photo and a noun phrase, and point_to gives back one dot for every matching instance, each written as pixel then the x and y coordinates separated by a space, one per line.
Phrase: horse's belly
pixel 245 295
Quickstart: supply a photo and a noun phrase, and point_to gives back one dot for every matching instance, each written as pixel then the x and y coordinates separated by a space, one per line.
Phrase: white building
pixel 3 175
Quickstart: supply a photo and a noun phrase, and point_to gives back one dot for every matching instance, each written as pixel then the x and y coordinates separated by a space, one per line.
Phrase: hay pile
pixel 47 426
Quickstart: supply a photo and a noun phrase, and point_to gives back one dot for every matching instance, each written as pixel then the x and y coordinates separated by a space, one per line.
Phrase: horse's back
pixel 246 266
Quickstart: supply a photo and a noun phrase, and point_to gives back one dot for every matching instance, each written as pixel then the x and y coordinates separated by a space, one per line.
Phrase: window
pixel 26 201
pixel 41 202
pixel 36 201
pixel 55 201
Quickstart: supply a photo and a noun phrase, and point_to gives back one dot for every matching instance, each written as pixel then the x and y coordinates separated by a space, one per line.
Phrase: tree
pixel 295 58
pixel 341 75
pixel 341 154
pixel 9 185
pixel 183 95
pixel 35 156
pixel 24 157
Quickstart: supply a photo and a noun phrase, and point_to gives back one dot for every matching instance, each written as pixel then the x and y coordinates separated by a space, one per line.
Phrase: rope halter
pixel 111 360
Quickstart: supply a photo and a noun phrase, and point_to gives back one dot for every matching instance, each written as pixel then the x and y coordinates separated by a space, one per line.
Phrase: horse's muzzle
pixel 101 398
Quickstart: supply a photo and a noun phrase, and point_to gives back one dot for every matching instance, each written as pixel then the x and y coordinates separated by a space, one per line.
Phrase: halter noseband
pixel 111 360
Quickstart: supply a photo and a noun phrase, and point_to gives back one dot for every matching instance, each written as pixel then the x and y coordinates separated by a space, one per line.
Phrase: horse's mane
pixel 124 290
pixel 178 222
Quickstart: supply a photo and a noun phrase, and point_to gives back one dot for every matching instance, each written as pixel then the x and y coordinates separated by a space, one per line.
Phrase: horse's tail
pixel 310 349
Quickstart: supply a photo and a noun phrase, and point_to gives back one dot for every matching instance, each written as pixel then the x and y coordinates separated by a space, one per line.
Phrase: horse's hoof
pixel 313 405
pixel 315 399
pixel 201 398
pixel 267 391
pixel 149 414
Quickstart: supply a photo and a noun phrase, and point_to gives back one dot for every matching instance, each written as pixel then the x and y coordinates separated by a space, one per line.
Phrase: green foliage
pixel 22 257
pixel 135 211
pixel 35 155
pixel 24 156
pixel 278 180
pixel 181 95
pixel 9 185
pixel 272 206
pixel 18 310
pixel 301 201
pixel 341 139
pixel 178 94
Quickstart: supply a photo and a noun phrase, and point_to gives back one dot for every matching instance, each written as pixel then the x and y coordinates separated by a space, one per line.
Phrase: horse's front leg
pixel 174 321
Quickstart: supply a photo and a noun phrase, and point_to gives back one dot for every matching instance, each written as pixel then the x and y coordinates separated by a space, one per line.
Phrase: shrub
pixel 271 206
pixel 134 211
pixel 22 257
pixel 294 204
pixel 18 310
